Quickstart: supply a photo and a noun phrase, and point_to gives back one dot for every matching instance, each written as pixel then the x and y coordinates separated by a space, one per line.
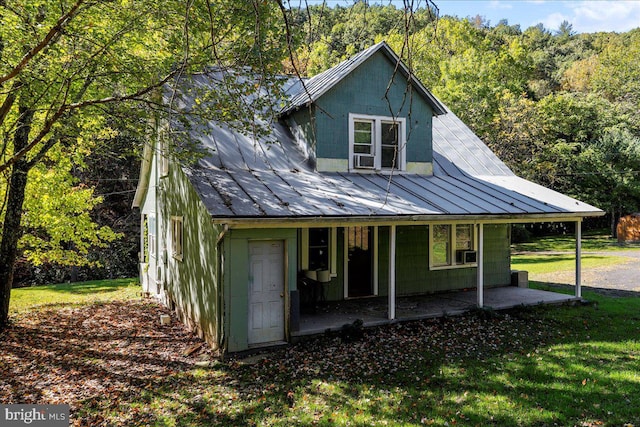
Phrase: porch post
pixel 392 272
pixel 578 259
pixel 480 269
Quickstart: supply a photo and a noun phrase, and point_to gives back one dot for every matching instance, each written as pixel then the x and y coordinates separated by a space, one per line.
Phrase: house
pixel 367 186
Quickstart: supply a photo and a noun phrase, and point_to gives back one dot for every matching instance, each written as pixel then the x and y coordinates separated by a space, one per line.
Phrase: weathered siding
pixel 236 279
pixel 362 92
pixel 192 284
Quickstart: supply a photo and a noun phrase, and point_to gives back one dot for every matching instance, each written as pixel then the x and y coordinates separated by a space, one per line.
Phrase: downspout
pixel 220 261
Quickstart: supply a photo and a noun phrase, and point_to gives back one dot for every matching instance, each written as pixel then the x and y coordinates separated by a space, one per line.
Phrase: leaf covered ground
pixel 116 365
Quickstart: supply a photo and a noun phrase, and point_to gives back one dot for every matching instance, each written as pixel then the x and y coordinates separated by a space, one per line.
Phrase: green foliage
pixel 76 75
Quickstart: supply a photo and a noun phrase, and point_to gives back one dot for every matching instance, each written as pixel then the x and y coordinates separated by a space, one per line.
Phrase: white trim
pixel 578 259
pixel 177 244
pixel 392 272
pixel 377 141
pixel 374 277
pixel 332 165
pixel 332 246
pixel 345 262
pixel 333 243
pixel 480 272
pixel 420 168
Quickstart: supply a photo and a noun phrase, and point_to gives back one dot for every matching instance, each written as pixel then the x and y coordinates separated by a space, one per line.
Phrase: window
pixel 452 245
pixel 318 249
pixel 151 236
pixel 376 143
pixel 176 237
pixel 441 245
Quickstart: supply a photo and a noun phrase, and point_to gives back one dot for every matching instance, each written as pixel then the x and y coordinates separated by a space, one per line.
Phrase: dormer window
pixel 376 143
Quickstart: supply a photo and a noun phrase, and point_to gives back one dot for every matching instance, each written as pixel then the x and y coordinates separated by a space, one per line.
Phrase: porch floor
pixel 373 311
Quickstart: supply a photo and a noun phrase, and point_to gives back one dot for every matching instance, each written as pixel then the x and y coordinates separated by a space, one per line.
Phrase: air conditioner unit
pixel 466 257
pixel 364 161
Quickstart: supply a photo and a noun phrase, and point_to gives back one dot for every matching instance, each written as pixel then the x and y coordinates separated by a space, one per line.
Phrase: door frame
pixel 284 290
pixel 374 260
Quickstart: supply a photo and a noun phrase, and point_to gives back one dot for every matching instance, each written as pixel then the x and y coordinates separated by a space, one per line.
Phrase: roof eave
pixel 324 221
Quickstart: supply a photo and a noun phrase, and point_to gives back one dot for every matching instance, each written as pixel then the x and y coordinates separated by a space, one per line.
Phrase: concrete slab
pixel 373 311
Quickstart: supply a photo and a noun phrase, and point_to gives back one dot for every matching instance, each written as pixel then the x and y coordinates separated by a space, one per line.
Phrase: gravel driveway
pixel 620 277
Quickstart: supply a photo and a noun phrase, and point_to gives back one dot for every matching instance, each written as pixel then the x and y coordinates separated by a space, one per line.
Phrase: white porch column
pixel 578 259
pixel 480 269
pixel 392 272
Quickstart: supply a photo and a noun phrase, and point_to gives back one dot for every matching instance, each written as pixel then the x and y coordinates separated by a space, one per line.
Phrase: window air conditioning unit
pixel 466 257
pixel 363 161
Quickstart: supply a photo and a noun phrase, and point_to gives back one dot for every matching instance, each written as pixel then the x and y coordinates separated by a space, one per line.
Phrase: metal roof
pixel 309 90
pixel 249 178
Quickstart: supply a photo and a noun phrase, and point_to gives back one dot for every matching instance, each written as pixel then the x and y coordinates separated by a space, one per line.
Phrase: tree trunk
pixel 11 231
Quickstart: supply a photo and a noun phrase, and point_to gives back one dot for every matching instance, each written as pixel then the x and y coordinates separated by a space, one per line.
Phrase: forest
pixel 560 108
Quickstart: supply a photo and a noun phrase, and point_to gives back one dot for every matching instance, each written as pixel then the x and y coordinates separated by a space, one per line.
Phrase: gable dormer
pixel 368 113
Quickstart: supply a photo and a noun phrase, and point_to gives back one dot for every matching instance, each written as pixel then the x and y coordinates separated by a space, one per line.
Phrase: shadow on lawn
pixel 85 288
pixel 116 365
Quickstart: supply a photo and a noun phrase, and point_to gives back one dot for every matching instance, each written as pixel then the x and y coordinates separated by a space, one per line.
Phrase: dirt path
pixel 623 277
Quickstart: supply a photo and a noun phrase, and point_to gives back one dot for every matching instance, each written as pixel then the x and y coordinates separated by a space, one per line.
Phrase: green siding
pixel 363 92
pixel 192 284
pixel 413 275
pixel 412 262
pixel 236 278
pixel 497 255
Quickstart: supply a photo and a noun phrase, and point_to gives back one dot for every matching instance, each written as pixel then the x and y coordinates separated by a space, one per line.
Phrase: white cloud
pixel 496 4
pixel 594 16
pixel 552 22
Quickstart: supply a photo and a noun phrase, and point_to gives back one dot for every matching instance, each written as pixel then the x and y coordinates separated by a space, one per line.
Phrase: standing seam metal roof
pixel 245 177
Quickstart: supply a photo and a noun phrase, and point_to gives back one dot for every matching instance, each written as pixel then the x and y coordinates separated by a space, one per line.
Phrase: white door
pixel 266 292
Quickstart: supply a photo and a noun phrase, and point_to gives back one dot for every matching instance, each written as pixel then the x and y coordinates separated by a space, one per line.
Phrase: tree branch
pixel 48 124
pixel 53 32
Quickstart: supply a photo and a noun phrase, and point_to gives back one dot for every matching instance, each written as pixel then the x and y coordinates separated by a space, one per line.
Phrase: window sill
pixel 452 267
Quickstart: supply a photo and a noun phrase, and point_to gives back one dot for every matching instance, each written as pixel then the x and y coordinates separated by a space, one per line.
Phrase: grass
pixel 556 366
pixel 533 366
pixel 553 254
pixel 554 263
pixel 23 299
pixel 598 240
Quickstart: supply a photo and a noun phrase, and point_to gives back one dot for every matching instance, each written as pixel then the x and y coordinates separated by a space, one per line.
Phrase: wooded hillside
pixel 560 108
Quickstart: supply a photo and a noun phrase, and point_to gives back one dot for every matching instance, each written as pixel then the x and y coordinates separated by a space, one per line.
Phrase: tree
pixel 69 67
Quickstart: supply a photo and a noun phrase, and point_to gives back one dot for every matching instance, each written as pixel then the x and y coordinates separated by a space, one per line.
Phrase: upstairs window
pixel 376 143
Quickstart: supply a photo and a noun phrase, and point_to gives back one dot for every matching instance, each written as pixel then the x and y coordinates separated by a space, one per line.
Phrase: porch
pixel 374 311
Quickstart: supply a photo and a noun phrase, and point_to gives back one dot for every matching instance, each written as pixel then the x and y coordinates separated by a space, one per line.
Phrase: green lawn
pixel 23 299
pixel 535 366
pixel 530 367
pixel 553 263
pixel 560 253
pixel 594 241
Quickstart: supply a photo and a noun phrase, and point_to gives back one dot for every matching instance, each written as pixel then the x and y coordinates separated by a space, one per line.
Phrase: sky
pixel 585 16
